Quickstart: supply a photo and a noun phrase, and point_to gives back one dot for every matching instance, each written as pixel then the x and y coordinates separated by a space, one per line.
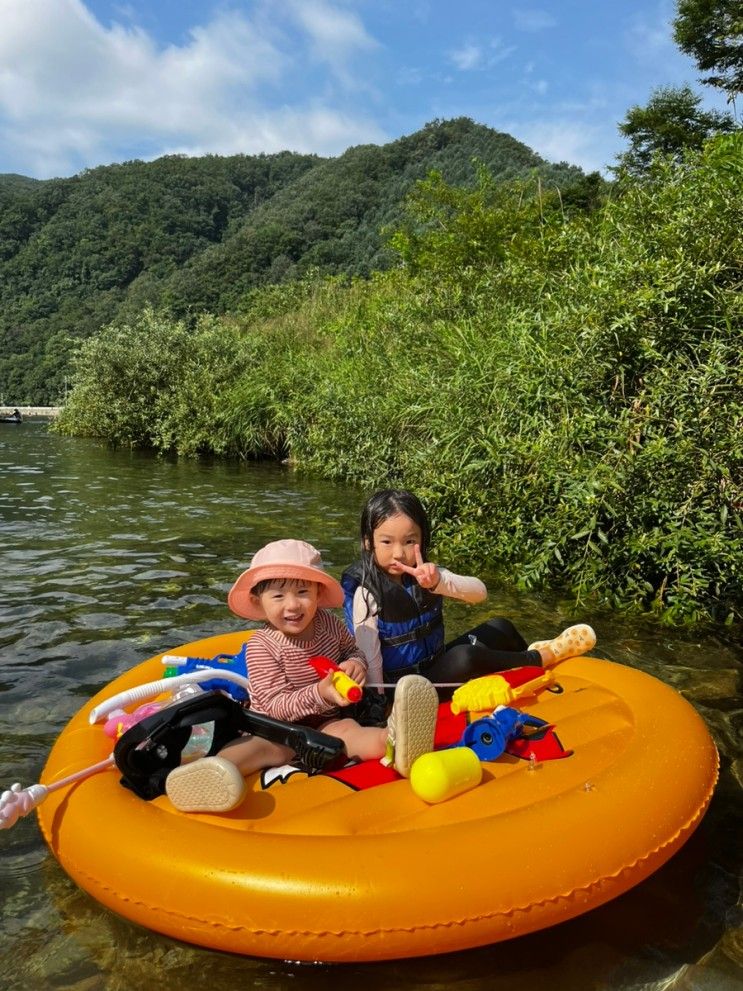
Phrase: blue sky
pixel 89 82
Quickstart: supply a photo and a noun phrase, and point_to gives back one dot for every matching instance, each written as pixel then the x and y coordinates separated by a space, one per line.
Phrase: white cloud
pixel 336 37
pixel 650 36
pixel 646 43
pixel 564 140
pixel 52 51
pixel 470 56
pixel 467 57
pixel 75 93
pixel 336 34
pixel 533 20
pixel 302 130
pixel 499 51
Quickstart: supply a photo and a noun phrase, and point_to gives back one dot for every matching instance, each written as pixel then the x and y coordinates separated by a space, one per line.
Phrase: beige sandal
pixel 211 784
pixel 573 642
pixel 412 722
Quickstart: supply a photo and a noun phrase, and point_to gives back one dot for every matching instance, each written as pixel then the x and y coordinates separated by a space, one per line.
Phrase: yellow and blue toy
pixel 489 736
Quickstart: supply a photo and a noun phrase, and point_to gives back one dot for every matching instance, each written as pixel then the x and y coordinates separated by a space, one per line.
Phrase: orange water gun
pixel 492 690
pixel 340 681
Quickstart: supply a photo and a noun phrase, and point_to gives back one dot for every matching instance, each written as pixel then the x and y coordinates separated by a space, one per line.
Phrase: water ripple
pixel 109 557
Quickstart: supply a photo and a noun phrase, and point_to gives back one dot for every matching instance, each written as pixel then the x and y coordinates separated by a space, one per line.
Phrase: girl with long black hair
pixel 393 606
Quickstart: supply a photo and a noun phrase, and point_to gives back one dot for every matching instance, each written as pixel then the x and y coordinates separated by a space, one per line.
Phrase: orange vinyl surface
pixel 308 868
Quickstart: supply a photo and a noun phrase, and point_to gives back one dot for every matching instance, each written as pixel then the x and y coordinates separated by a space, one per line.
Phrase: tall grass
pixel 566 395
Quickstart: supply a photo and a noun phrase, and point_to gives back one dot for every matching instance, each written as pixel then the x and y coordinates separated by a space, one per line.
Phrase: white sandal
pixel 412 722
pixel 211 784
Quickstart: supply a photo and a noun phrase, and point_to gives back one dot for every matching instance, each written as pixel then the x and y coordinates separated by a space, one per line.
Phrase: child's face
pixel 290 606
pixel 394 543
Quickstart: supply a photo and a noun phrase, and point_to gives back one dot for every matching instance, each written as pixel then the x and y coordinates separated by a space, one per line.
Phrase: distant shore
pixel 42 411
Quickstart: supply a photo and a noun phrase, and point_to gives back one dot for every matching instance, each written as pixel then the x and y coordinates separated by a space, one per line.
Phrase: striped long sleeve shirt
pixel 282 683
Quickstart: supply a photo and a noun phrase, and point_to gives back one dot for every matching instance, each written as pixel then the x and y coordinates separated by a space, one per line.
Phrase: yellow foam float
pixel 324 868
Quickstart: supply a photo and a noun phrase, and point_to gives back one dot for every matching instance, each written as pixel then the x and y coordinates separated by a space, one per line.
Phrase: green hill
pixel 11 182
pixel 196 234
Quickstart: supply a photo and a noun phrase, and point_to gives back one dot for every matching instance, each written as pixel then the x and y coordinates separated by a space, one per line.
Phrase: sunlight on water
pixel 109 557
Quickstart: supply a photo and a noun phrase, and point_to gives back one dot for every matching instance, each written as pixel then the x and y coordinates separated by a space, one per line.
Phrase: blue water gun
pixel 237 663
pixel 490 736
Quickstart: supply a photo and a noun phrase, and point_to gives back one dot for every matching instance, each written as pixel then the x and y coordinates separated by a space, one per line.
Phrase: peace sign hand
pixel 425 573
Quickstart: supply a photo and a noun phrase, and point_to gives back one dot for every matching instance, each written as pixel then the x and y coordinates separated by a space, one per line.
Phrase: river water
pixel 108 557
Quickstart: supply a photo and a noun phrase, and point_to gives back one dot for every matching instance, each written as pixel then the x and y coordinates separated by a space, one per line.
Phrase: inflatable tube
pixel 353 866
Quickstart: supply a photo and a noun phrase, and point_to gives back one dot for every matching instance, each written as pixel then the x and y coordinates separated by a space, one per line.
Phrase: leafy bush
pixel 564 392
pixel 155 384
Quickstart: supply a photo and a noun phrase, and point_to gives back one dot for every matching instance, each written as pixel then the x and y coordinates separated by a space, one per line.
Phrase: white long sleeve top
pixel 365 609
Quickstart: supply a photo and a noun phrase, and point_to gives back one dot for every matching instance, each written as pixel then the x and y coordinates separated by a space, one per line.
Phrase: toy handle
pixel 533 686
pixel 342 683
pixel 158 687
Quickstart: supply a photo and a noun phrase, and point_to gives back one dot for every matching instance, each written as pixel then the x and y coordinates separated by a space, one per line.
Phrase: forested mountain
pixel 73 250
pixel 195 234
pixel 10 183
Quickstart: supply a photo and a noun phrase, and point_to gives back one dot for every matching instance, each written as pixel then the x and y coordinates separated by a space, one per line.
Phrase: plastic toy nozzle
pixel 344 685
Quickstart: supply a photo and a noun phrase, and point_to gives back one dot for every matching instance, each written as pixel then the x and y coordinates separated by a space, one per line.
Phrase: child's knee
pixel 459 662
pixel 361 742
pixel 499 633
pixel 342 728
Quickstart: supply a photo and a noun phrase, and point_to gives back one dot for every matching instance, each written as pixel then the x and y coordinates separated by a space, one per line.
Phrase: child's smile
pixel 290 607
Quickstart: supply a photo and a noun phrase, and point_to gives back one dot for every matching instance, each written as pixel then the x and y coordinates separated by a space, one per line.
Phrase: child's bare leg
pixel 361 742
pixel 252 753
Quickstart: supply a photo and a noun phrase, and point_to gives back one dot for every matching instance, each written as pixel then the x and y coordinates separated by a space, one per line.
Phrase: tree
pixel 711 32
pixel 671 123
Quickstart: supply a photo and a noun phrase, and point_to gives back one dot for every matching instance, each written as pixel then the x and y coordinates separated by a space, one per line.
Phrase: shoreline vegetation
pixel 562 388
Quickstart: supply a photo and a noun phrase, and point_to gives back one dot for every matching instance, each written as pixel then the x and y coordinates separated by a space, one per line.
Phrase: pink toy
pixel 119 721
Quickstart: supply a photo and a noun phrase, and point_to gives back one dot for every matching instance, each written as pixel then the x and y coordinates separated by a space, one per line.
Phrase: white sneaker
pixel 412 722
pixel 211 784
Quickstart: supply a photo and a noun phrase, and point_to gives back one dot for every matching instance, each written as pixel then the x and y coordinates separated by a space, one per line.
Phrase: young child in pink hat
pixel 287 588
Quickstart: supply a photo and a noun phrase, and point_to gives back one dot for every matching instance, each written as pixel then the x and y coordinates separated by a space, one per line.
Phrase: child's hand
pixel 354 669
pixel 328 693
pixel 425 573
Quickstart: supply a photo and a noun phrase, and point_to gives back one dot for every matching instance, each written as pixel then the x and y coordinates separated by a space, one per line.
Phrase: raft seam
pixel 433 926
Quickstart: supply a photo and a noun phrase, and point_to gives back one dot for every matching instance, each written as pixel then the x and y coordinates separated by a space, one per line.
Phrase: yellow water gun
pixel 483 694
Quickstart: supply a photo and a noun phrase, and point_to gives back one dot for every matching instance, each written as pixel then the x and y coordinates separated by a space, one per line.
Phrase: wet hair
pixel 379 507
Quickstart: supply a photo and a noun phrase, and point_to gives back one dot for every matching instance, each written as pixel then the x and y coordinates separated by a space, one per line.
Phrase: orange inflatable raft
pixel 353 866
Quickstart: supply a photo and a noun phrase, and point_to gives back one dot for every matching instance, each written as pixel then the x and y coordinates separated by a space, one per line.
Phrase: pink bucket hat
pixel 283 559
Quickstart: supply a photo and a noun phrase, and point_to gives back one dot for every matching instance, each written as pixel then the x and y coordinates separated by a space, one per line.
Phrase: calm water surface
pixel 109 557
